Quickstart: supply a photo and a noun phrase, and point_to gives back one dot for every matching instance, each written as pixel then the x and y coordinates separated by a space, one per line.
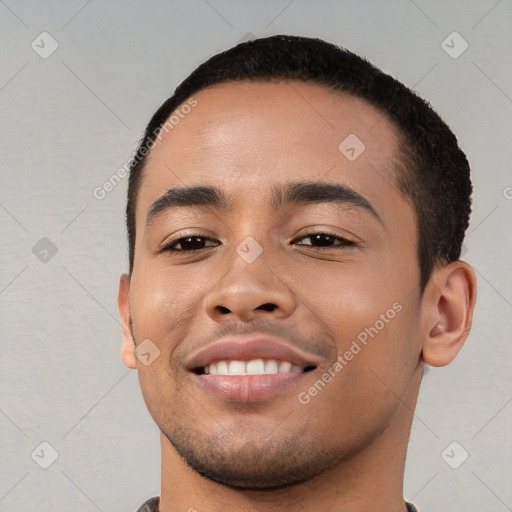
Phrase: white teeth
pixel 271 366
pixel 222 368
pixel 253 367
pixel 235 368
pixel 285 367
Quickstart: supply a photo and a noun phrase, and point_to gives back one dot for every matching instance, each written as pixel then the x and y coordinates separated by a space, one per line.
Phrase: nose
pixel 249 291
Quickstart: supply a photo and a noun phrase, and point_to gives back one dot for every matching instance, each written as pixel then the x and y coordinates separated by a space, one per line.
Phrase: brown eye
pixel 189 244
pixel 327 240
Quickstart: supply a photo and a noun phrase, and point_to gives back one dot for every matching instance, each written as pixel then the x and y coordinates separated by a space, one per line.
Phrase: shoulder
pixel 150 505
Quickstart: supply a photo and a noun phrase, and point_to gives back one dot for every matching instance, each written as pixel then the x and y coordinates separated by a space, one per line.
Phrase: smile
pixel 254 367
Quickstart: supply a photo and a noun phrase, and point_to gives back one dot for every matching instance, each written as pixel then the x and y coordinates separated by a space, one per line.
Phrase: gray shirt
pixel 152 506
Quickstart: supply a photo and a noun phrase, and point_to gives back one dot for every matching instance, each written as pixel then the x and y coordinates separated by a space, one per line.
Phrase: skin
pixel 345 449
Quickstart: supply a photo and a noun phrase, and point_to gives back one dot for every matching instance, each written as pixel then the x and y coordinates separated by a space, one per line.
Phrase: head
pixel 351 197
pixel 432 172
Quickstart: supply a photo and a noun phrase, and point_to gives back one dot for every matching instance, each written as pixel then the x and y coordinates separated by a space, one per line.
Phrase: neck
pixel 371 480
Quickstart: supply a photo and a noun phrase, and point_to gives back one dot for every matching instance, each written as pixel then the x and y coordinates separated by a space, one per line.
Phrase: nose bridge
pixel 249 286
pixel 252 238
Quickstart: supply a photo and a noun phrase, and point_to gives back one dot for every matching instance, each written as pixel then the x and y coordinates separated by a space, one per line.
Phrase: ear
pixel 123 300
pixel 449 300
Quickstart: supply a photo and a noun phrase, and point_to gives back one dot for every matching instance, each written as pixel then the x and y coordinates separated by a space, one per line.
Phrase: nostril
pixel 267 307
pixel 223 309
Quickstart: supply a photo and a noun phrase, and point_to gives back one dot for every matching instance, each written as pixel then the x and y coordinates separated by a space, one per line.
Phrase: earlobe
pixel 450 300
pixel 128 346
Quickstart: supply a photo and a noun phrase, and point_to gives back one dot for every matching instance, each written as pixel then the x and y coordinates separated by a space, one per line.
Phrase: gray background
pixel 70 120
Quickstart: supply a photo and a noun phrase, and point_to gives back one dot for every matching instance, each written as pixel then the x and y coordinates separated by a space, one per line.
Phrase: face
pixel 305 265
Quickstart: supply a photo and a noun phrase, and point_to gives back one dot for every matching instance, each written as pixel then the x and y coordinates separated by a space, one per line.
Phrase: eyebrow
pixel 311 192
pixel 298 193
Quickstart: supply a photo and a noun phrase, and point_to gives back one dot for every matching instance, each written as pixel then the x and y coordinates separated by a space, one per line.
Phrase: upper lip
pixel 248 348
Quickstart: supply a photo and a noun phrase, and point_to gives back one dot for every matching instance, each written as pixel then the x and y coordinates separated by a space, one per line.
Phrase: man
pixel 295 218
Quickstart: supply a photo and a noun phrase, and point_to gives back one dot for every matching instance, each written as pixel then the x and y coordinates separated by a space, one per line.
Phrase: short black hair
pixel 433 172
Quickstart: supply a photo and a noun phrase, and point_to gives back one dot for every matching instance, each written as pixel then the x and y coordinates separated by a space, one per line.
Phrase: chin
pixel 276 465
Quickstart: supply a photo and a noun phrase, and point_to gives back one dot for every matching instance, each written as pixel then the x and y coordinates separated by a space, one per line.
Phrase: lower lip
pixel 249 388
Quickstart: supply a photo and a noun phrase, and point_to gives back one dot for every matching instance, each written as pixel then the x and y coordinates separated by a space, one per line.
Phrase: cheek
pixel 371 316
pixel 160 301
pixel 346 299
pixel 164 304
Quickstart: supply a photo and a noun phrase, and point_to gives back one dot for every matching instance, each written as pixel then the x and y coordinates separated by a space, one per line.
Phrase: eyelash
pixel 345 243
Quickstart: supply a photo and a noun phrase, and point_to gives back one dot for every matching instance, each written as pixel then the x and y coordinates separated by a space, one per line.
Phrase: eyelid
pixel 316 229
pixel 347 242
pixel 164 246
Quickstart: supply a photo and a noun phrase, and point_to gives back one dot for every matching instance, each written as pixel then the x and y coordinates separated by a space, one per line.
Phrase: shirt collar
pixel 151 505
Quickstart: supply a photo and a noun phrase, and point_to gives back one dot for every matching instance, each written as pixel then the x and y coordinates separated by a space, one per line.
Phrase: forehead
pixel 248 136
